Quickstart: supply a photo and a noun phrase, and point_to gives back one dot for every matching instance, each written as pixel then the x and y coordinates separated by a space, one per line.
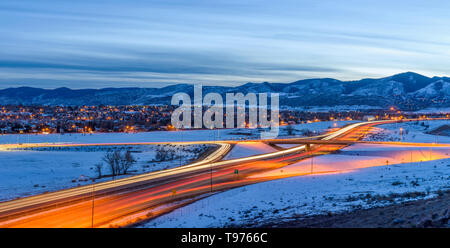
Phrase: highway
pixel 125 201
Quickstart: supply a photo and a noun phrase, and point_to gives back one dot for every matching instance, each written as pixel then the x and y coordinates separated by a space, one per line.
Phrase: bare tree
pixel 163 154
pixel 119 163
pixel 127 160
pixel 111 158
pixel 98 169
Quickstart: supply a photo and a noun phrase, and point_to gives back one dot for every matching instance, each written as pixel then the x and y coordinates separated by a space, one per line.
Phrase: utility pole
pixel 93 200
pixel 431 150
pixel 210 166
pixel 411 157
pixel 179 148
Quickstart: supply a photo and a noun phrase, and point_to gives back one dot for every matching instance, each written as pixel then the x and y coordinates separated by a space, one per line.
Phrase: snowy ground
pixel 412 132
pixel 315 128
pixel 247 149
pixel 348 188
pixel 164 136
pixel 433 110
pixel 336 108
pixel 37 170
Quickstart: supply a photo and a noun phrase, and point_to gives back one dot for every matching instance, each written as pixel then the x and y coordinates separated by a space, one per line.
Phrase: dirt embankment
pixel 433 212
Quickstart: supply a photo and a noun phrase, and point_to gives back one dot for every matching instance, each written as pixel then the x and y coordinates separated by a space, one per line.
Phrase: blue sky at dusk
pixel 108 43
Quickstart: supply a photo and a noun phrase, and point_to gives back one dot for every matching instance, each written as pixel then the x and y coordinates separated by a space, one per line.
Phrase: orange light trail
pixel 115 200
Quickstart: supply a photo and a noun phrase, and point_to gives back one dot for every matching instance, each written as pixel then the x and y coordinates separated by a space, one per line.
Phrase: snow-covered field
pixel 247 149
pixel 315 128
pixel 337 108
pixel 284 199
pixel 37 170
pixel 432 110
pixel 412 132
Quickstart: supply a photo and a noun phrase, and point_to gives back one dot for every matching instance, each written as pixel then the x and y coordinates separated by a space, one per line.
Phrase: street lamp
pixel 401 134
pixel 210 167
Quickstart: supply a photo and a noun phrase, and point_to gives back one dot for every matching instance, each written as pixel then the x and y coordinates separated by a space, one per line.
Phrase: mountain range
pixel 408 91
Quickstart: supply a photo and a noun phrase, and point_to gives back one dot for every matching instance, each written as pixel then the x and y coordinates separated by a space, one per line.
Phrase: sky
pixel 155 43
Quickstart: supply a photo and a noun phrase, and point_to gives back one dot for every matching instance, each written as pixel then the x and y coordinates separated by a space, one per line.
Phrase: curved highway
pixel 125 201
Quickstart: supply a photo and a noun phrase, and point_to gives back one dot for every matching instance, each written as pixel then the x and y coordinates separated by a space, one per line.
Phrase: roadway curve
pixel 124 201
